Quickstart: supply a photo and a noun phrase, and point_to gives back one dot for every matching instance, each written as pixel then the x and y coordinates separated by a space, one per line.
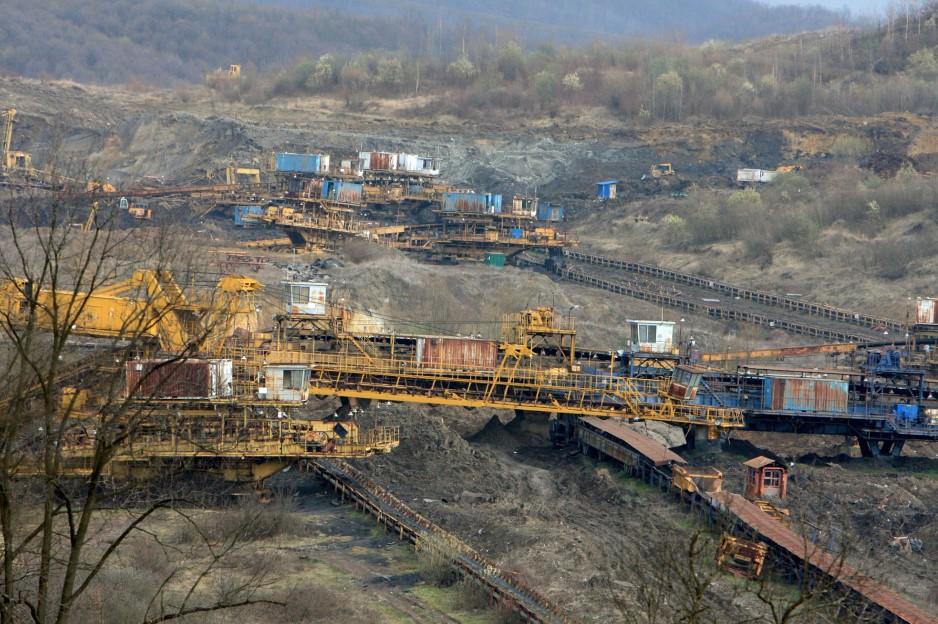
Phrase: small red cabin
pixel 766 478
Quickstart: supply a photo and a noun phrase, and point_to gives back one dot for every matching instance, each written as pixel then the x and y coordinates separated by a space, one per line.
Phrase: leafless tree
pixel 672 576
pixel 62 519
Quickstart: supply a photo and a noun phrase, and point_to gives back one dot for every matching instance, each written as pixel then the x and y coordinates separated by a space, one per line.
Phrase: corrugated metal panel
pixel 807 395
pixel 313 188
pixel 547 212
pixel 288 162
pixel 159 379
pixel 295 185
pixel 464 202
pixel 656 452
pixel 378 161
pixel 925 312
pixel 448 352
pixel 347 192
pixel 408 162
pixel 493 203
pixel 364 161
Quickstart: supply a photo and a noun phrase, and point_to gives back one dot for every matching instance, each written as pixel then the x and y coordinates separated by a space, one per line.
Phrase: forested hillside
pixel 168 41
pixel 576 22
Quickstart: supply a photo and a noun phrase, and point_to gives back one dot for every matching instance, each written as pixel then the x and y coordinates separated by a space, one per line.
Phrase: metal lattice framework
pixel 508 386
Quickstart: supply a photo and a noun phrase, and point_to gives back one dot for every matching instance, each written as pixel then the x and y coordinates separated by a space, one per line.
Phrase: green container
pixel 495 259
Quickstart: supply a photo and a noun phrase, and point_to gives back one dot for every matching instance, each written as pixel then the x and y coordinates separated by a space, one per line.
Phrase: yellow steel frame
pixel 509 386
pixel 237 446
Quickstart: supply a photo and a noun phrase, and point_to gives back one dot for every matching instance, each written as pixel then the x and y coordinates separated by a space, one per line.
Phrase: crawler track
pixel 417 529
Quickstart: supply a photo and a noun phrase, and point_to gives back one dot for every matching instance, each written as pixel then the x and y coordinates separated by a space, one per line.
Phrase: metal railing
pixel 394 514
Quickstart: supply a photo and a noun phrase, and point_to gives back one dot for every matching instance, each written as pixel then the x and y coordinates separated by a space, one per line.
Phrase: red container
pixel 383 161
pixel 157 379
pixel 463 353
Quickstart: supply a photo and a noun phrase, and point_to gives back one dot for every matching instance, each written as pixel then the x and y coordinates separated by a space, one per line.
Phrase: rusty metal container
pixel 313 188
pixel 464 202
pixel 926 312
pixel 795 394
pixel 187 379
pixel 463 353
pixel 348 192
pixel 378 161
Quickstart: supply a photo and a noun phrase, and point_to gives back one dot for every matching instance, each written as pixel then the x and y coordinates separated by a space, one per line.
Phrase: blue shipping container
pixel 464 202
pixel 298 163
pixel 242 214
pixel 906 412
pixel 517 233
pixel 546 212
pixel 493 203
pixel 607 189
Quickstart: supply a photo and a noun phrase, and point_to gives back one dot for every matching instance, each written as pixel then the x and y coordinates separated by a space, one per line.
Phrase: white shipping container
pixel 222 379
pixel 651 336
pixel 755 175
pixel 364 161
pixel 408 162
pixel 307 298
pixel 428 166
pixel 285 382
pixel 324 163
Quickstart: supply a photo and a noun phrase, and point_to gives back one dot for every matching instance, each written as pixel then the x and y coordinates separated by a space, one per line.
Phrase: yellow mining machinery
pixel 235 175
pixel 148 306
pixel 463 372
pixel 741 557
pixel 13 160
pixel 233 446
pixel 230 417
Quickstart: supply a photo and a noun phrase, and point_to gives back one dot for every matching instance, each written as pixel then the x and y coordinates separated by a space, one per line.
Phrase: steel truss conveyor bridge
pixel 507 386
pixel 875 423
pixel 720 405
